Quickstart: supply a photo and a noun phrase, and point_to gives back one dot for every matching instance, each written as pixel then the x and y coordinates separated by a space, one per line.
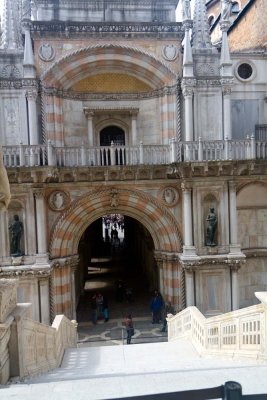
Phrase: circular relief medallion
pixel 170 196
pixel 170 52
pixel 58 200
pixel 46 52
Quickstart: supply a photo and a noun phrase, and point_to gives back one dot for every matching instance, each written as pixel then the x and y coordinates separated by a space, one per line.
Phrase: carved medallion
pixel 170 196
pixel 46 52
pixel 58 200
pixel 170 52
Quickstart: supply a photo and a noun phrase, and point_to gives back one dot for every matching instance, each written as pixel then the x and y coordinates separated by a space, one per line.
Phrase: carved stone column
pixel 4 245
pixel 134 127
pixel 188 98
pixel 90 129
pixel 234 246
pixel 159 260
pixel 32 116
pixel 235 286
pixel 189 249
pixel 74 265
pixel 189 287
pixel 227 126
pixel 44 301
pixel 41 226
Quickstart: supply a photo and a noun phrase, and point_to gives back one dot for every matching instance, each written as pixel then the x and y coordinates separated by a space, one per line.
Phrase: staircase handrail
pixel 236 333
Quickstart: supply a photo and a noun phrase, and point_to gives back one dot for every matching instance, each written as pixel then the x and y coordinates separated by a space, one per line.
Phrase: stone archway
pixel 141 206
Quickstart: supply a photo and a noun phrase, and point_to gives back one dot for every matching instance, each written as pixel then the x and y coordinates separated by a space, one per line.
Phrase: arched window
pixel 211 20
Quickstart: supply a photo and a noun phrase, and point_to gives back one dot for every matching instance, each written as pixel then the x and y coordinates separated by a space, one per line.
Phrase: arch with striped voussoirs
pixel 97 59
pixel 71 225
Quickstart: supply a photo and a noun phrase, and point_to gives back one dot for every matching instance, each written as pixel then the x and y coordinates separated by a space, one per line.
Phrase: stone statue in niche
pixel 211 228
pixel 16 231
pixel 225 10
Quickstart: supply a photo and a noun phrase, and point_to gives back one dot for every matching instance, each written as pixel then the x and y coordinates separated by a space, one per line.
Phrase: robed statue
pixel 211 228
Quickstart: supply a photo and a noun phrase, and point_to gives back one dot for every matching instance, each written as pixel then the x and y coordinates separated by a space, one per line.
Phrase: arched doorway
pixel 106 261
pixel 153 225
pixel 112 134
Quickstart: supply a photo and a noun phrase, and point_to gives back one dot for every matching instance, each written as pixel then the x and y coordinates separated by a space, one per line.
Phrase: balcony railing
pixel 195 151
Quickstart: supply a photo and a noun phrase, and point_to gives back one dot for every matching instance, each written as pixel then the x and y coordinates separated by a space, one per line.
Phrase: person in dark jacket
pixel 156 305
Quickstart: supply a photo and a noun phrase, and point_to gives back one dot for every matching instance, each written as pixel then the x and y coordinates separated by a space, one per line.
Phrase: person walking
pixel 105 309
pixel 156 305
pixel 168 309
pixel 94 309
pixel 128 322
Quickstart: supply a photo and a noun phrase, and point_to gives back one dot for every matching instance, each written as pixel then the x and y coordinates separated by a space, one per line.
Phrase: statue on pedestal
pixel 211 229
pixel 16 230
pixel 225 10
pixel 186 13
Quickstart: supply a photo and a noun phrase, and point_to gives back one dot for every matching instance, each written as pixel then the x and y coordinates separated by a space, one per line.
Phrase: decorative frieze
pixel 68 94
pixel 69 28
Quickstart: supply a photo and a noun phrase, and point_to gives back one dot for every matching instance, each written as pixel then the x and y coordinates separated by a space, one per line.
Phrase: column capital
pixel 187 91
pixel 133 113
pixel 31 94
pixel 232 185
pixel 224 25
pixel 188 24
pixel 39 194
pixel 88 113
pixel 186 188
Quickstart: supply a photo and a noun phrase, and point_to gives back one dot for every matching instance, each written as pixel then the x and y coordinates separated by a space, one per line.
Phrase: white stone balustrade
pixel 190 151
pixel 240 333
pixel 28 347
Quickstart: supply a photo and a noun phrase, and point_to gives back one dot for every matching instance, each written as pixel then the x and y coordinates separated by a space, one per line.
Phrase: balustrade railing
pixel 241 332
pixel 195 151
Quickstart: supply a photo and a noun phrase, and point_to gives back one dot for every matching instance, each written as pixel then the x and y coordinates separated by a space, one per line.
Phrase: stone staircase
pixel 113 372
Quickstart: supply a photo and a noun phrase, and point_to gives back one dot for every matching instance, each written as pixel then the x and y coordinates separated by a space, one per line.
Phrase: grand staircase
pixel 113 372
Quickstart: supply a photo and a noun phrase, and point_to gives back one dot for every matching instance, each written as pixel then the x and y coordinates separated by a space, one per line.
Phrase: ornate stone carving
pixel 10 72
pixel 205 69
pixel 170 196
pixel 76 28
pixel 170 52
pixel 58 200
pixel 114 202
pixel 8 298
pixel 225 10
pixel 186 10
pixel 46 52
pixel 31 95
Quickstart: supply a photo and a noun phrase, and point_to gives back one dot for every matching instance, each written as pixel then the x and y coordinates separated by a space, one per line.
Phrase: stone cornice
pixel 67 94
pixel 241 170
pixel 70 28
pixel 29 271
pixel 212 263
pixel 18 83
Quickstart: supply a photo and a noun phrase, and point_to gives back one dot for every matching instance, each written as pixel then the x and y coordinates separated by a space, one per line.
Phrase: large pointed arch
pixel 84 62
pixel 73 222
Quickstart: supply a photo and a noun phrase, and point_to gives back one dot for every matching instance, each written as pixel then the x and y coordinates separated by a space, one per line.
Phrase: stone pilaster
pixel 31 96
pixel 90 128
pixel 189 250
pixel 41 225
